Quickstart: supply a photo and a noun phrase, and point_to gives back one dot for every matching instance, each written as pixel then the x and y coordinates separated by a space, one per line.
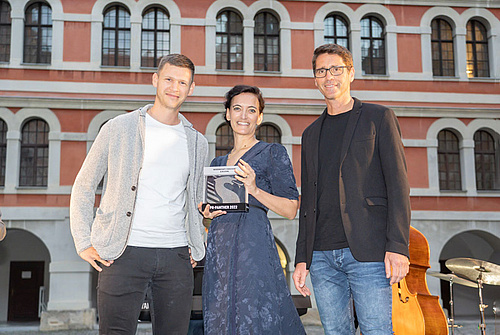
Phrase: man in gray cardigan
pixel 147 223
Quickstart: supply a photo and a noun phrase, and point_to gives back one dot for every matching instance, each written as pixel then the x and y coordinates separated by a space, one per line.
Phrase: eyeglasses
pixel 334 70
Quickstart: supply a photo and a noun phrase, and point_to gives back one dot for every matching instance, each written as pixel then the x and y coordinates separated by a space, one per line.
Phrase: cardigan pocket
pixel 102 228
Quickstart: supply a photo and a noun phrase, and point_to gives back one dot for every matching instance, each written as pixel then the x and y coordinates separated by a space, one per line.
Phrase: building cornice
pixel 216 107
pixel 433 3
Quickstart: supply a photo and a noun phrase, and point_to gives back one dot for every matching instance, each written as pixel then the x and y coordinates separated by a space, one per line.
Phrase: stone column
pixel 70 297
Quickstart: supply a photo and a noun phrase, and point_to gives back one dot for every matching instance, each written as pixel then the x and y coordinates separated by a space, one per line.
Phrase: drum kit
pixel 471 273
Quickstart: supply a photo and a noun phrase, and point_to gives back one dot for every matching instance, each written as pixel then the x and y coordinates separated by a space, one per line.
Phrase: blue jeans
pixel 338 279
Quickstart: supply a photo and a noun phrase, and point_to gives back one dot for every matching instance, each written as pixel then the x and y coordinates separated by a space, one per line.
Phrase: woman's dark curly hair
pixel 238 89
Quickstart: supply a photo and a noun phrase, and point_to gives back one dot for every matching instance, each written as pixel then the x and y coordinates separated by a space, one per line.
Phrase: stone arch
pixel 169 5
pixel 100 5
pixel 18 11
pixel 8 117
pixel 42 113
pixel 492 25
pixel 48 116
pixel 273 6
pixel 19 7
pixel 456 125
pixel 379 11
pixel 426 31
pixel 219 5
pixel 459 128
pixel 477 124
pixel 445 12
pixel 174 17
pixel 97 122
pixel 483 15
pixel 97 18
pixel 331 8
pixel 210 31
pixel 390 25
pixel 21 245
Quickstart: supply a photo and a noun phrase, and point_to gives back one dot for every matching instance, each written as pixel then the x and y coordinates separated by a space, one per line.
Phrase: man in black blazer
pixel 355 208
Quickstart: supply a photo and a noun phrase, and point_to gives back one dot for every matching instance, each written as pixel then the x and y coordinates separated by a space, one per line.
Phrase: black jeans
pixel 122 287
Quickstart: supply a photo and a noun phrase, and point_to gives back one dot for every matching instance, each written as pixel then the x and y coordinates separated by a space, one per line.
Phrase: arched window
pixel 223 140
pixel 34 153
pixel 38 34
pixel 155 36
pixel 443 63
pixel 477 50
pixel 5 26
pixel 268 133
pixel 486 161
pixel 116 37
pixel 266 42
pixel 229 41
pixel 336 30
pixel 449 161
pixel 372 46
pixel 3 151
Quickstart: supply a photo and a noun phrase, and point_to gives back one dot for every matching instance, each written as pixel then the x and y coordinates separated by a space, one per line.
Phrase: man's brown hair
pixel 332 49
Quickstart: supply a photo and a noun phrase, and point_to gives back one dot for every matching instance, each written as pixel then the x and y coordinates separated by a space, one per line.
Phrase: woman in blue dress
pixel 244 288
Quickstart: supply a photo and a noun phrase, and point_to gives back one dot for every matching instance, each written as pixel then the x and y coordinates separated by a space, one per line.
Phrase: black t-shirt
pixel 330 233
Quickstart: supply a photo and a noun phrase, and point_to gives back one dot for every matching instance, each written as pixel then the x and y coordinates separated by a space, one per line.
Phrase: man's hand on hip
pixel 193 262
pixel 396 266
pixel 299 279
pixel 90 255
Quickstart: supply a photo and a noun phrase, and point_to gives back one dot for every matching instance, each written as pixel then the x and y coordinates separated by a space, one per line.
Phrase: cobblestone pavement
pixel 31 330
pixel 310 320
pixel 311 323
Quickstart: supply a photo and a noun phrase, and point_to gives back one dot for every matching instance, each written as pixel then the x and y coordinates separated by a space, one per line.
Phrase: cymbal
pixel 473 269
pixel 453 277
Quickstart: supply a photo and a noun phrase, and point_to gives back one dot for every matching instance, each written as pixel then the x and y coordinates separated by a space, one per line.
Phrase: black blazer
pixel 373 186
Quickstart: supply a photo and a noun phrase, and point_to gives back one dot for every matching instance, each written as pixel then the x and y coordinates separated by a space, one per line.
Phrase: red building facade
pixel 66 67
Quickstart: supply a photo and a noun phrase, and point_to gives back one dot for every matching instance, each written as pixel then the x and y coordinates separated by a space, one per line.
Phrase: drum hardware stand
pixel 451 319
pixel 482 306
pixel 481 272
pixel 452 309
pixel 452 278
pixel 495 313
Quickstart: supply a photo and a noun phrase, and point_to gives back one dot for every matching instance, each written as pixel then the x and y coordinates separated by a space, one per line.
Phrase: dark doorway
pixel 26 278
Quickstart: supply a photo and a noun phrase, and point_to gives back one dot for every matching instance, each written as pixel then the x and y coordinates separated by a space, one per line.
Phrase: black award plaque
pixel 223 191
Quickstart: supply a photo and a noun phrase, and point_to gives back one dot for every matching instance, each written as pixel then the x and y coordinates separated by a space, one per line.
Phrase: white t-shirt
pixel 159 218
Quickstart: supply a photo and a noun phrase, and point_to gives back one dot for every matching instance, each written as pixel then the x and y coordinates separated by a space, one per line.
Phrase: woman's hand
pixel 207 214
pixel 246 175
pixel 280 205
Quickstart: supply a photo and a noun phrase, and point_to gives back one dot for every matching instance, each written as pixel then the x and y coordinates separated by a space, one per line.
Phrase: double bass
pixel 414 310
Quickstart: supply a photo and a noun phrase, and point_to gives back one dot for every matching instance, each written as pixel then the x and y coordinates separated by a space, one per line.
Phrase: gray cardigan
pixel 118 151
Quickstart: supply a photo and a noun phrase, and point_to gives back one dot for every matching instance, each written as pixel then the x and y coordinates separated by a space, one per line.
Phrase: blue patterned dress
pixel 244 288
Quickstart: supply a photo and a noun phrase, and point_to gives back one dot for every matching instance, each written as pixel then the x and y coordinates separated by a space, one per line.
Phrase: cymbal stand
pixel 451 319
pixel 482 306
pixel 452 308
pixel 495 313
